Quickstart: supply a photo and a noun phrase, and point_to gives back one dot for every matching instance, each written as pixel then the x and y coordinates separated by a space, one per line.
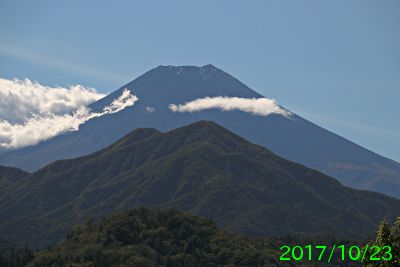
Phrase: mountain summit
pixel 170 97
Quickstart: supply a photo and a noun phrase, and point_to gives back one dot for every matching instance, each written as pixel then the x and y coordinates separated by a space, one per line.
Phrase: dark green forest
pixel 170 237
pixel 202 168
pixel 10 175
pixel 251 202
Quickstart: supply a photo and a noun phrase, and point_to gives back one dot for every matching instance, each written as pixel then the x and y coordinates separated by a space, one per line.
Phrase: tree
pixel 385 249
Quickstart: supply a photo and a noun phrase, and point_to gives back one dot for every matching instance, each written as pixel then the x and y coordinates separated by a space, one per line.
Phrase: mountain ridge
pixel 203 168
pixel 293 138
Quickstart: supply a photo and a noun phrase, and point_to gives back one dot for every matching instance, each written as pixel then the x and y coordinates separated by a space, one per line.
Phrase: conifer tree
pixel 385 249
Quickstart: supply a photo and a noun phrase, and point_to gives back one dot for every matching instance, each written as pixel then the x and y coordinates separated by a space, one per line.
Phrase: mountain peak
pixel 209 66
pixel 188 86
pixel 179 84
pixel 205 70
pixel 187 66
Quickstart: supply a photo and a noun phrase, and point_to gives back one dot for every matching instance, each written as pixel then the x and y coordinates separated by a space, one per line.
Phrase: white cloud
pixel 256 106
pixel 40 127
pixel 21 100
pixel 37 113
pixel 125 100
pixel 150 109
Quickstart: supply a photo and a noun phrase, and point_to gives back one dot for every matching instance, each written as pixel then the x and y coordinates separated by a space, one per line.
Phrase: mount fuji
pixel 170 97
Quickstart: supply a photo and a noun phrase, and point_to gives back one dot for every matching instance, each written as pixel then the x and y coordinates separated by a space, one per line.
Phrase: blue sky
pixel 335 63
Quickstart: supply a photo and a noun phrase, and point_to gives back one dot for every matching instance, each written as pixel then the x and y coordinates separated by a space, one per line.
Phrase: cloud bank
pixel 20 100
pixel 256 106
pixel 41 112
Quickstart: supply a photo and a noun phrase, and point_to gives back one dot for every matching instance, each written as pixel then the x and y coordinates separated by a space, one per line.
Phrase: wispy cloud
pixel 125 100
pixel 256 106
pixel 31 113
pixel 150 109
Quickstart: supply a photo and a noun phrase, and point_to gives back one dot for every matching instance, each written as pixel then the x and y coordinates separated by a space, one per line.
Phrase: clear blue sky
pixel 335 63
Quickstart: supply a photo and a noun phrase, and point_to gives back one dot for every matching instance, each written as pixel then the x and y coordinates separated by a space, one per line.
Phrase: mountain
pixel 202 168
pixel 291 137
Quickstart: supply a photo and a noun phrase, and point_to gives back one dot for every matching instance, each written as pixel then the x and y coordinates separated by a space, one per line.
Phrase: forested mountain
pixel 202 168
pixel 291 137
pixel 169 237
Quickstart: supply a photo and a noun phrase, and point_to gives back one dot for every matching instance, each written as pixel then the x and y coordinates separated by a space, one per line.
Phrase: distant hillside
pixel 293 138
pixel 202 168
pixel 169 237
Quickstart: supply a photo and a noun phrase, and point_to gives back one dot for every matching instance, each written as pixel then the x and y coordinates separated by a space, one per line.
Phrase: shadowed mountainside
pixel 9 175
pixel 202 168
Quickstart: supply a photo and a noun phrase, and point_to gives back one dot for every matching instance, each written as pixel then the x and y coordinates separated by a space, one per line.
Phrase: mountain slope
pixel 202 168
pixel 293 138
pixel 10 175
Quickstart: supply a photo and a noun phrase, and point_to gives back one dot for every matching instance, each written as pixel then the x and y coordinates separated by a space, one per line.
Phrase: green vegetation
pixel 9 175
pixel 169 237
pixel 16 257
pixel 202 168
pixel 385 247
